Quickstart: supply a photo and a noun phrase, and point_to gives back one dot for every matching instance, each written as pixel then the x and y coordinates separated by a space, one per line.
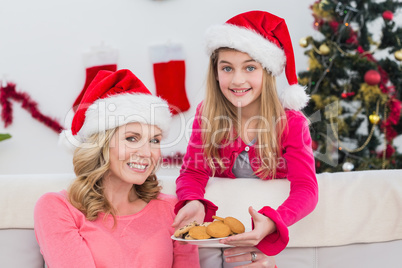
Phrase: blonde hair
pixel 216 106
pixel 91 164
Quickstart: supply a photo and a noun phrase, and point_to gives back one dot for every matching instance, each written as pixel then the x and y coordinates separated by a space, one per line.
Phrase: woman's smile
pixel 137 167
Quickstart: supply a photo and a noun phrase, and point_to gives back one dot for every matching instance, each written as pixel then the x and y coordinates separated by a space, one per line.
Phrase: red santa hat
pixel 265 37
pixel 114 99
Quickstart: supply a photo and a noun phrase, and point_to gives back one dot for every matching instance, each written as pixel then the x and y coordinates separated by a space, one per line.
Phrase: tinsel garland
pixel 8 93
pixel 173 160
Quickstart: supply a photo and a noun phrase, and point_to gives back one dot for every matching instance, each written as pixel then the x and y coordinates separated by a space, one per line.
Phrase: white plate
pixel 204 243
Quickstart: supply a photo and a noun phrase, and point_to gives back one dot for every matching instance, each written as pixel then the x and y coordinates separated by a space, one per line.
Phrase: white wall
pixel 43 41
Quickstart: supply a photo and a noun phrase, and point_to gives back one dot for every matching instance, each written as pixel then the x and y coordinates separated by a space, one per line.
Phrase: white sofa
pixel 357 222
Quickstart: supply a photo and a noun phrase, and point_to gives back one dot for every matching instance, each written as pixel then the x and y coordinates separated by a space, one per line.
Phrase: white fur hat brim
pixel 262 50
pixel 119 110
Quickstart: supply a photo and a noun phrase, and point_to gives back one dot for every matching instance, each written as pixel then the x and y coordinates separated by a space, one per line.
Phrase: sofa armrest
pixel 19 193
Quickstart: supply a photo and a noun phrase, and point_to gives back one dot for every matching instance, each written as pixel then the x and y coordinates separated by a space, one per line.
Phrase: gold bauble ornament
pixel 303 42
pixel 398 55
pixel 374 119
pixel 324 49
pixel 322 3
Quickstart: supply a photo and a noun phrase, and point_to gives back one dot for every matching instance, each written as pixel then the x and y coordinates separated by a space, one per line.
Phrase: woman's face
pixel 239 77
pixel 134 153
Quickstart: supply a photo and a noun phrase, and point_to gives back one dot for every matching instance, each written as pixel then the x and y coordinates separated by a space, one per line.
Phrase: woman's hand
pixel 263 226
pixel 193 211
pixel 246 254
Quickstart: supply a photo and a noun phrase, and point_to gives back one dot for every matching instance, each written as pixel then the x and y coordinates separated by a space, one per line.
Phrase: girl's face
pixel 239 77
pixel 134 153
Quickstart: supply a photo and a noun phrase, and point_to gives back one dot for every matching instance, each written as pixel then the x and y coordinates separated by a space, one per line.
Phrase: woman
pixel 113 214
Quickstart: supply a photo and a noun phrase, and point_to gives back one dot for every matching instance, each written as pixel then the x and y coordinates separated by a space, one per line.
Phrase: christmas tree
pixel 354 79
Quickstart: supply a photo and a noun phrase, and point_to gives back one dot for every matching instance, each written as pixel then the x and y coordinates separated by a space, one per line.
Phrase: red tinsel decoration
pixel 173 160
pixel 318 23
pixel 394 110
pixel 393 118
pixel 8 93
pixel 352 38
pixel 389 151
pixel 334 25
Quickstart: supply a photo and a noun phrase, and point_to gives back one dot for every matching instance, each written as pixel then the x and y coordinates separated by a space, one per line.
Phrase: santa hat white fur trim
pixel 115 111
pixel 259 48
pixel 293 97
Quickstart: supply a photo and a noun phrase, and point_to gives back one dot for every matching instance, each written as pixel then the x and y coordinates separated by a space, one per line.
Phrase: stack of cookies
pixel 220 227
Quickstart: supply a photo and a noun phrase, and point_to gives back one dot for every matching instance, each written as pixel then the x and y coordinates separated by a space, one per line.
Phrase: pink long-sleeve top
pixel 297 165
pixel 67 239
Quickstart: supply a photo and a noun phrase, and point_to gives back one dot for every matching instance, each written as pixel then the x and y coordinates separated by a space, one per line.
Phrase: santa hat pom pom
pixel 293 97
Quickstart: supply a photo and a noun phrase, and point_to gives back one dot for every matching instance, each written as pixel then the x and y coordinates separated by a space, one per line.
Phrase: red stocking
pixel 169 73
pixel 100 58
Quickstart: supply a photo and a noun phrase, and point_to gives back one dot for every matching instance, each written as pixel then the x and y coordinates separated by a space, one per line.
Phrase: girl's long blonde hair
pixel 91 165
pixel 220 118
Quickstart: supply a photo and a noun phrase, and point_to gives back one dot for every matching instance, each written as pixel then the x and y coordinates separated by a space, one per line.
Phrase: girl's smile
pixel 239 77
pixel 239 92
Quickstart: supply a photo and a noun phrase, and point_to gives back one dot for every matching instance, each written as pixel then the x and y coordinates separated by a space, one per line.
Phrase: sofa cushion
pixel 353 207
pixel 19 249
pixel 19 193
pixel 383 254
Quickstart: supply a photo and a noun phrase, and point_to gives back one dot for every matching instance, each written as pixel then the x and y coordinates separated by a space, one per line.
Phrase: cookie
pixel 218 218
pixel 188 237
pixel 218 229
pixel 235 225
pixel 205 223
pixel 199 232
pixel 181 231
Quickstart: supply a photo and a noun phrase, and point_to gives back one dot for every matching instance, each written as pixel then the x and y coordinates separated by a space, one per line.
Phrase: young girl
pixel 113 214
pixel 247 128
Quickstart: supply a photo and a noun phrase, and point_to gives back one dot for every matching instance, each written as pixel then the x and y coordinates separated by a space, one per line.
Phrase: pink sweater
pixel 297 166
pixel 67 239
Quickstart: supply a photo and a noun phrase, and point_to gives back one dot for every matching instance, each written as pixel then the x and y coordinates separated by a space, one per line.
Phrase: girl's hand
pixel 263 226
pixel 193 211
pixel 245 254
